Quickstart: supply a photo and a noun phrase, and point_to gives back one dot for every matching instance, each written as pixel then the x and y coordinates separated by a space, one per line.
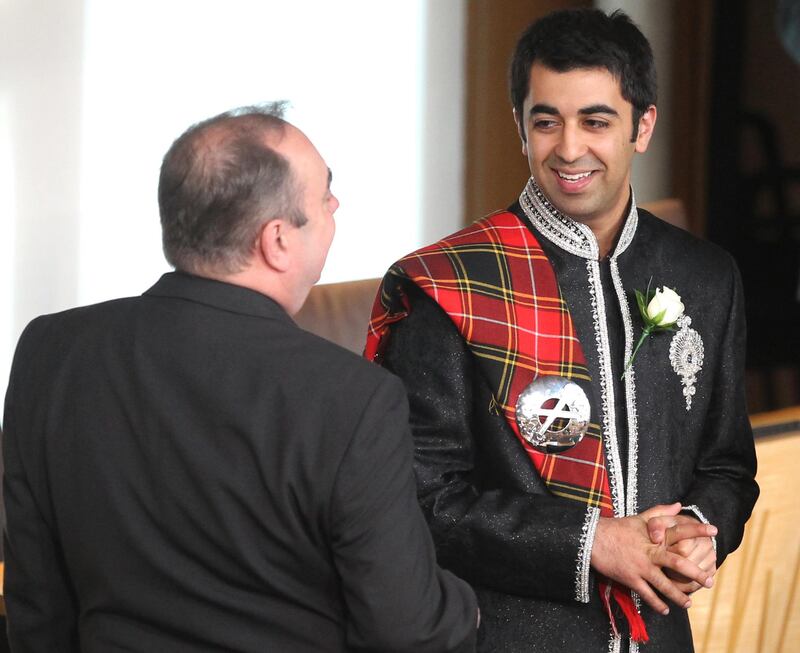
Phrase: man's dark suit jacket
pixel 190 471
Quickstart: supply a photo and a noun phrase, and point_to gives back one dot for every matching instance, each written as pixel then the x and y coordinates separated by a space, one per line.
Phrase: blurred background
pixel 407 102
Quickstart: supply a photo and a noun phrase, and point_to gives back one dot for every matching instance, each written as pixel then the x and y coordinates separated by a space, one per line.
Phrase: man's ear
pixel 273 244
pixel 521 133
pixel 647 123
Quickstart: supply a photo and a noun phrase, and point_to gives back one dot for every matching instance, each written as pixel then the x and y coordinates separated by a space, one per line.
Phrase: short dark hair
pixel 587 38
pixel 220 183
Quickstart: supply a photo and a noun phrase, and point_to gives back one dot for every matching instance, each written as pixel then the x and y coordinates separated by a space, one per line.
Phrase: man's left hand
pixel 699 550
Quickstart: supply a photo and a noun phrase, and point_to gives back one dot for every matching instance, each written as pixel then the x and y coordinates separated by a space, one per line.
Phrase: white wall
pixel 92 93
pixel 40 101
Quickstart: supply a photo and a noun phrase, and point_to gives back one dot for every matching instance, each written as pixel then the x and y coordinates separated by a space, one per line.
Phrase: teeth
pixel 574 177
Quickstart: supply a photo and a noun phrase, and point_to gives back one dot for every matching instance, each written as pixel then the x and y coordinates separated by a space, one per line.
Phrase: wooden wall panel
pixel 495 171
pixel 691 89
pixel 754 606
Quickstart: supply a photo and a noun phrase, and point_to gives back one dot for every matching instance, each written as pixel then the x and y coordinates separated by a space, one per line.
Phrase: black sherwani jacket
pixel 190 471
pixel 494 522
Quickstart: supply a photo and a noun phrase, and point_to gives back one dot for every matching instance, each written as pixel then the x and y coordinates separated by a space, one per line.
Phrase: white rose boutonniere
pixel 660 311
pixel 663 310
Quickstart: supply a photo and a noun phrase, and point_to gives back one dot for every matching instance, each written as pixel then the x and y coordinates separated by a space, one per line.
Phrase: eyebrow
pixel 544 108
pixel 598 108
pixel 585 111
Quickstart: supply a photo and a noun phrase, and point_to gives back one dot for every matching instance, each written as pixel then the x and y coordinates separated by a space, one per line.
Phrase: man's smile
pixel 573 181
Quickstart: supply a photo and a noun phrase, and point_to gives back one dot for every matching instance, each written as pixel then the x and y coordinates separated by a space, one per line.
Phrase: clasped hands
pixel 658 551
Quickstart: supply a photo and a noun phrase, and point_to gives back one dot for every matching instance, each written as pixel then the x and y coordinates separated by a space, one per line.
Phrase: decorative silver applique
pixel 585 555
pixel 686 355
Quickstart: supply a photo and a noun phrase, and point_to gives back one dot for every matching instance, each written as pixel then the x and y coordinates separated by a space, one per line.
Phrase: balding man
pixel 189 471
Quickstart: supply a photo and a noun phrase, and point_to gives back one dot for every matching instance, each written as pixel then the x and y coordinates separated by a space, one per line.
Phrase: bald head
pixel 220 182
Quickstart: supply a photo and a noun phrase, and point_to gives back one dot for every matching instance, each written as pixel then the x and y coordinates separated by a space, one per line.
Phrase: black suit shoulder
pixel 333 363
pixel 326 366
pixel 47 339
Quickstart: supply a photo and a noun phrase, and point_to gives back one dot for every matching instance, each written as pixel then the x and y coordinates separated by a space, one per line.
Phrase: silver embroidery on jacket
pixel 631 493
pixel 686 355
pixel 699 514
pixel 571 236
pixel 585 554
pixel 574 237
pixel 606 380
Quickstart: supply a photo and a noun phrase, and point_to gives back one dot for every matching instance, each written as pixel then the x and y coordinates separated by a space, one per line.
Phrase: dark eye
pixel 594 123
pixel 544 123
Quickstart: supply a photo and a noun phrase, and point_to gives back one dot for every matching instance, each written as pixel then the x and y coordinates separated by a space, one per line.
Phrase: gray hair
pixel 220 183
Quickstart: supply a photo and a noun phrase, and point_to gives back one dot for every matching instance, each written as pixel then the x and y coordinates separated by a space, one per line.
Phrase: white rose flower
pixel 659 312
pixel 667 304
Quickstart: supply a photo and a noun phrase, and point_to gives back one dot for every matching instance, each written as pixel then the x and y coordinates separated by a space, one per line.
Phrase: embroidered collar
pixel 572 236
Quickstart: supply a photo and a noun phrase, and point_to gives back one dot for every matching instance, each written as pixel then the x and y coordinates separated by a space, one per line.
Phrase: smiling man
pixel 584 487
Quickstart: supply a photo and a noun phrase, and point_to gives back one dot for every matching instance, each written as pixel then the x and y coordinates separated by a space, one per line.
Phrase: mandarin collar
pixel 567 233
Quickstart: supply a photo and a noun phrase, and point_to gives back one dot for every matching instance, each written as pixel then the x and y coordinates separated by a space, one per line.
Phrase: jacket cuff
pixel 695 511
pixel 585 554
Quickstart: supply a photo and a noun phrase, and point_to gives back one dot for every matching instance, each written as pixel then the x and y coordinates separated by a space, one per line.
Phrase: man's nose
pixel 571 146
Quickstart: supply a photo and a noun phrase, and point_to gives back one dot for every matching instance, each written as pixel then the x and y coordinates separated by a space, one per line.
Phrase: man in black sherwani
pixel 573 480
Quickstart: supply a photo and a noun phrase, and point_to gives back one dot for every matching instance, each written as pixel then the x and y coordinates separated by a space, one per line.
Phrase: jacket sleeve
pixel 397 598
pixel 724 489
pixel 41 610
pixel 493 521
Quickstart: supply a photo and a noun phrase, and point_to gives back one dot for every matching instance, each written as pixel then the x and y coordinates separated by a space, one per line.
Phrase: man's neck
pixel 607 235
pixel 262 281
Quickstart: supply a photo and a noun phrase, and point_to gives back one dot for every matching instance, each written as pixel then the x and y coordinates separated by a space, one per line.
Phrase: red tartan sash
pixel 498 287
pixel 510 312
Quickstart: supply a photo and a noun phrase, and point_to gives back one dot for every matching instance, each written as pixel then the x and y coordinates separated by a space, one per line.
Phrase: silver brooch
pixel 553 413
pixel 686 356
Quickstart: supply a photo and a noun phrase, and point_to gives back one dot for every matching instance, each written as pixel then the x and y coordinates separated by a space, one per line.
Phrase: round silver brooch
pixel 553 413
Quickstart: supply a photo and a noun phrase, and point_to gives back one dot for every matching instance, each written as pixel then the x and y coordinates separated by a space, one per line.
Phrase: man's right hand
pixel 623 552
pixel 699 550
